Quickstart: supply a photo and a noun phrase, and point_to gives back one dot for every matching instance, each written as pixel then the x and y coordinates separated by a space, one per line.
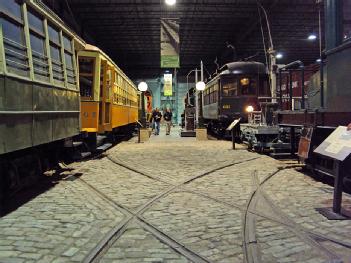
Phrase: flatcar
pixel 233 92
pixel 109 99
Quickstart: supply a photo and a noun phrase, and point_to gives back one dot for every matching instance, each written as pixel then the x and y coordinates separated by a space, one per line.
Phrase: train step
pixel 81 155
pixel 85 154
pixel 77 144
pixel 100 140
pixel 104 147
pixel 280 154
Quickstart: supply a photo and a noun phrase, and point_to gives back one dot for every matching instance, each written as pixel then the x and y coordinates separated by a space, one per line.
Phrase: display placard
pixel 233 124
pixel 337 145
pixel 167 87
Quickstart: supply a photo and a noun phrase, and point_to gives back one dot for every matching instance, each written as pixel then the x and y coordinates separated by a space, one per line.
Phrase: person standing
pixel 157 119
pixel 168 119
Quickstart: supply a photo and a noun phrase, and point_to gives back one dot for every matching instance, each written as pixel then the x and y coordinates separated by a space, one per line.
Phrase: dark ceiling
pixel 129 30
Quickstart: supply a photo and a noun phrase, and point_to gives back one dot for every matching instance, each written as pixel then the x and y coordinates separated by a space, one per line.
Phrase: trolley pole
pixel 273 75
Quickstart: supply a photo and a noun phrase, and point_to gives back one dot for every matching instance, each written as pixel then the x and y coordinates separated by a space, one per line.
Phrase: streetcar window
pixel 11 8
pixel 35 23
pixel 37 41
pixel 86 73
pixel 67 43
pixel 71 76
pixel 55 52
pixel 54 35
pixel 15 47
pixel 69 60
pixel 230 89
pixel 248 86
pixel 102 74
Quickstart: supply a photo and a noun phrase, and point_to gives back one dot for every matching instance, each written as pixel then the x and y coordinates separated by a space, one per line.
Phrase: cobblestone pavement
pixel 176 199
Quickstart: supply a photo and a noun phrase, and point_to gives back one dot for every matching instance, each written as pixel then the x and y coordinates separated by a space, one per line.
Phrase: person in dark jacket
pixel 168 119
pixel 157 119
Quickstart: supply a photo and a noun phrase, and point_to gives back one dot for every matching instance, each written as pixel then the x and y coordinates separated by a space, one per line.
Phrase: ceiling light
pixel 249 109
pixel 312 37
pixel 279 56
pixel 142 86
pixel 200 85
pixel 170 2
pixel 319 60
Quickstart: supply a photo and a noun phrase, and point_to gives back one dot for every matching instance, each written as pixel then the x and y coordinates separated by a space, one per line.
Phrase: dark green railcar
pixel 39 92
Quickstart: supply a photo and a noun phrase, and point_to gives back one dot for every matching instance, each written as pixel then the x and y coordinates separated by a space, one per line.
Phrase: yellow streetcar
pixel 109 99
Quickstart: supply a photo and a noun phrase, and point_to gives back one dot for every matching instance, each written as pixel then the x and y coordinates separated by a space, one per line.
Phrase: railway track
pixel 251 248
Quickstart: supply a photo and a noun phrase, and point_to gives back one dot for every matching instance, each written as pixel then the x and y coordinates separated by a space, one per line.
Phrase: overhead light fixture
pixel 200 85
pixel 319 60
pixel 249 109
pixel 279 56
pixel 312 37
pixel 142 86
pixel 170 2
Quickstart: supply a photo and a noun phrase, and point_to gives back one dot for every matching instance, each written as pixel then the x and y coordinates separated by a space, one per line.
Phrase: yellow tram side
pixel 109 99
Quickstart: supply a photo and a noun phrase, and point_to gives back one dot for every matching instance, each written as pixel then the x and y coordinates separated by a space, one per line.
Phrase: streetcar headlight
pixel 249 108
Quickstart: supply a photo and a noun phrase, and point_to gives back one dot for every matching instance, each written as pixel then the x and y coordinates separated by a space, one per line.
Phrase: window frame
pixel 72 70
pixel 94 59
pixel 42 36
pixel 23 47
pixel 54 62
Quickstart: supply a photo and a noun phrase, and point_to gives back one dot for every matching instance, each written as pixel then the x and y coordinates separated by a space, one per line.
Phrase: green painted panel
pixel 42 129
pixel 18 95
pixel 59 129
pixel 2 137
pixel 59 100
pixel 42 98
pixel 18 132
pixel 2 93
pixel 72 124
pixel 73 100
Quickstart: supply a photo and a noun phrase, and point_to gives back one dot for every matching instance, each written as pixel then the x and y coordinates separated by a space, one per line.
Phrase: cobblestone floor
pixel 176 199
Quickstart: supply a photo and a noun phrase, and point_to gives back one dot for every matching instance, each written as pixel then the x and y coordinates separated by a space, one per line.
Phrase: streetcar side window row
pixel 118 89
pixel 32 43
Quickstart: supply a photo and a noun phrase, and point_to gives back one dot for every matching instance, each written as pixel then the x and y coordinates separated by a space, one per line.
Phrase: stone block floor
pixel 175 199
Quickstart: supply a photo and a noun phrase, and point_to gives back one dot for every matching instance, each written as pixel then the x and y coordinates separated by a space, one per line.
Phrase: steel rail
pixel 101 249
pixel 307 236
pixel 118 231
pixel 97 253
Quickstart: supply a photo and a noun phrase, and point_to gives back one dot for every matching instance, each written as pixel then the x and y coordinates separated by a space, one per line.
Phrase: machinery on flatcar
pixel 234 92
pixel 109 99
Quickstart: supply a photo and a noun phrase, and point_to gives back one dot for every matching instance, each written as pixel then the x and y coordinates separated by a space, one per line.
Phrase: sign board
pixel 233 124
pixel 337 145
pixel 170 43
pixel 167 87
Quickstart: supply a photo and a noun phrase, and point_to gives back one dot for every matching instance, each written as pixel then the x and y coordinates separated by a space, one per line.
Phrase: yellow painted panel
pixel 133 115
pixel 120 116
pixel 89 115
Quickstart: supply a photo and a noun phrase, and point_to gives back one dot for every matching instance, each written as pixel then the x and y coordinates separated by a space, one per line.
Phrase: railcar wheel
pixel 12 178
pixel 347 184
pixel 2 189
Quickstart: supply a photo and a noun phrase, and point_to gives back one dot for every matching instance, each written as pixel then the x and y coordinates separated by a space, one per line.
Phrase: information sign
pixel 233 124
pixel 337 145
